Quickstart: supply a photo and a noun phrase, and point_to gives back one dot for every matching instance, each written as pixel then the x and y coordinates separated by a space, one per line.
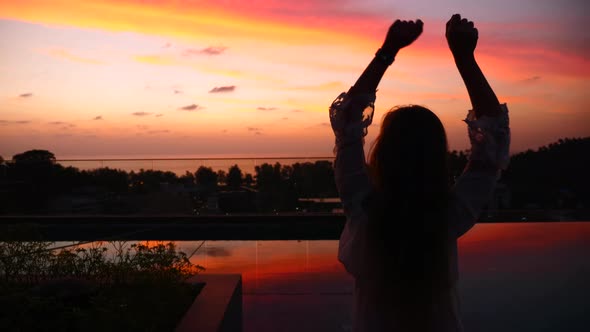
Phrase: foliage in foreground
pixel 137 287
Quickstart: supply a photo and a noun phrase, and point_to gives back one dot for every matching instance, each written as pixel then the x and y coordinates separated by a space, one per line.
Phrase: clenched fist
pixel 402 34
pixel 461 36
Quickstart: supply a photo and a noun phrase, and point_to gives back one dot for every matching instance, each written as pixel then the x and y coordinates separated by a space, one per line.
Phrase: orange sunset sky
pixel 153 78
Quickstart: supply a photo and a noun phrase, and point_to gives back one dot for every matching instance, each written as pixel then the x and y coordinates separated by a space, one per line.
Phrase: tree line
pixel 554 176
pixel 34 177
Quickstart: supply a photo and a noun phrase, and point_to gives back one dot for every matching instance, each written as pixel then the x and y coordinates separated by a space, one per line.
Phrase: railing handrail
pixel 196 158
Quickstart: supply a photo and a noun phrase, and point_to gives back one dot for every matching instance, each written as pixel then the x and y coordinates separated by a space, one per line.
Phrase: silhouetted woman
pixel 403 214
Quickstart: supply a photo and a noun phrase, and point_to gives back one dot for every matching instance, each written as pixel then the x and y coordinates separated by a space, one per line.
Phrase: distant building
pixel 331 204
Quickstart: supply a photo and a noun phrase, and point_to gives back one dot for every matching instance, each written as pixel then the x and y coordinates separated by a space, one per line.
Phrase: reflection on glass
pixel 531 275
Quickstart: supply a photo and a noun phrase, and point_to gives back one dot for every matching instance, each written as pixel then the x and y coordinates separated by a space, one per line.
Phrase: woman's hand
pixel 461 36
pixel 402 34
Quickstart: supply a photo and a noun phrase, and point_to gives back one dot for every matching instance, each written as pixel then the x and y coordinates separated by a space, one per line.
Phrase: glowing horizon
pixel 129 78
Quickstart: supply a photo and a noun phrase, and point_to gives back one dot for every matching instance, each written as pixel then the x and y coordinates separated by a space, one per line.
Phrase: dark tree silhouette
pixel 248 179
pixel 205 176
pixel 314 179
pixel 221 177
pixel 66 179
pixel 2 168
pixel 275 190
pixel 114 180
pixel 150 180
pixel 554 176
pixel 34 156
pixel 234 177
pixel 34 171
pixel 268 177
pixel 188 179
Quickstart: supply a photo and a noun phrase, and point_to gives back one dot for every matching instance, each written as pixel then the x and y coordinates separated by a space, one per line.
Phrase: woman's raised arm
pixel 462 39
pixel 488 128
pixel 350 115
pixel 400 35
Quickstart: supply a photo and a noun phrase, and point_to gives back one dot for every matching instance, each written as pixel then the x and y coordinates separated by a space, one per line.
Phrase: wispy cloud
pixel 222 89
pixel 141 113
pixel 318 125
pixel 153 132
pixel 177 92
pixel 211 50
pixel 67 55
pixel 531 80
pixel 99 117
pixel 9 122
pixel 159 115
pixel 62 123
pixel 266 108
pixel 321 124
pixel 191 107
pixel 214 50
pixel 176 60
pixel 217 252
pixel 26 95
pixel 255 130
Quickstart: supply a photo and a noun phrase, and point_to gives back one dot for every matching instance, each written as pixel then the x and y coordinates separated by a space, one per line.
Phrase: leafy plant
pixel 133 287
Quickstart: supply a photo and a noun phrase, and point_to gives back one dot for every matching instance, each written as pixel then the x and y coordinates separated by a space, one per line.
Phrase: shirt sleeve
pixel 490 144
pixel 350 116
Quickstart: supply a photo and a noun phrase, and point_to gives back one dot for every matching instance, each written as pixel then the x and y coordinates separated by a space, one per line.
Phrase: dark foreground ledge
pixel 213 227
pixel 316 226
pixel 218 308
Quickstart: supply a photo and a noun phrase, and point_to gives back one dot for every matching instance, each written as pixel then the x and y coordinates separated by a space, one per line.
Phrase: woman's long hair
pixel 407 233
